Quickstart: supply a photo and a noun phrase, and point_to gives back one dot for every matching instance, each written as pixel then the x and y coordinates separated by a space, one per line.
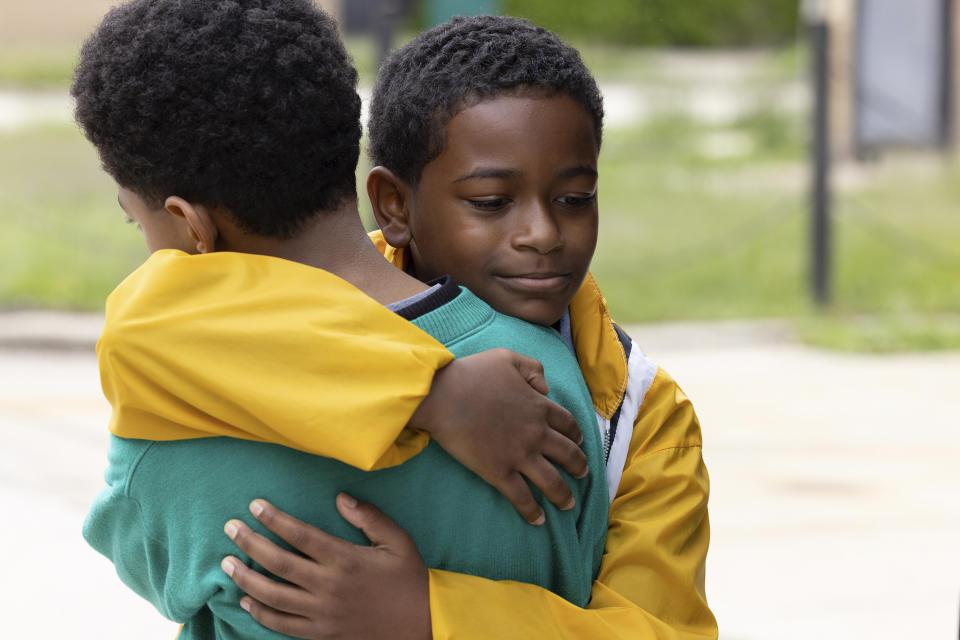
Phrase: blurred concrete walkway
pixel 625 104
pixel 716 88
pixel 834 510
pixel 61 330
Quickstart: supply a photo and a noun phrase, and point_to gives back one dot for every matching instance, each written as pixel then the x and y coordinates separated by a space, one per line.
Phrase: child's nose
pixel 538 230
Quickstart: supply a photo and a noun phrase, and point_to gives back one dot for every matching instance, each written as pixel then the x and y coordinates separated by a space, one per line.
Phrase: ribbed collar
pixel 442 291
pixel 459 317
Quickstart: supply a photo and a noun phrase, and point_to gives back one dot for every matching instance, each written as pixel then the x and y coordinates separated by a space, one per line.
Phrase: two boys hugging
pixel 267 348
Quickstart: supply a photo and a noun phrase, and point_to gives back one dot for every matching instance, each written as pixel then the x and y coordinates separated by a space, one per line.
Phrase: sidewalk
pixel 46 330
pixel 78 331
pixel 712 88
pixel 834 507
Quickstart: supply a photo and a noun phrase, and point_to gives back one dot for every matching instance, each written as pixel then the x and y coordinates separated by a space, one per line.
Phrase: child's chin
pixel 536 312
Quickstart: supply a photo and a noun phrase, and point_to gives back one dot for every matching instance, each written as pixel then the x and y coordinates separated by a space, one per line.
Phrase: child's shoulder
pixel 615 368
pixel 534 340
pixel 466 323
pixel 636 400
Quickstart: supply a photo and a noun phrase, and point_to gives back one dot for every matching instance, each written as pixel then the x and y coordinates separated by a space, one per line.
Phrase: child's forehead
pixel 547 121
pixel 473 102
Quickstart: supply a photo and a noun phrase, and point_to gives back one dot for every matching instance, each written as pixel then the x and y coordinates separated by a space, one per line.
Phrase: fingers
pixel 311 541
pixel 280 562
pixel 375 524
pixel 515 489
pixel 567 455
pixel 562 421
pixel 281 597
pixel 532 372
pixel 558 418
pixel 291 625
pixel 545 477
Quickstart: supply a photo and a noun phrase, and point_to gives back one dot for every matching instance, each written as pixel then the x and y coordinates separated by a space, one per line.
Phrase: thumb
pixel 375 524
pixel 532 372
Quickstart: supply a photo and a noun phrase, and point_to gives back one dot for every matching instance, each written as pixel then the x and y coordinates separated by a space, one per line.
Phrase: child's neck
pixel 334 241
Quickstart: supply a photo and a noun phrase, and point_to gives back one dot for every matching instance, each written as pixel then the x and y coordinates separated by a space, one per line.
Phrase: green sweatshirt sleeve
pixel 161 525
pixel 114 527
pixel 139 545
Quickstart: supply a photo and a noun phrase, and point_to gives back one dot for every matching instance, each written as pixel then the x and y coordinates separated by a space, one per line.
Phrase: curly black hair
pixel 425 83
pixel 250 105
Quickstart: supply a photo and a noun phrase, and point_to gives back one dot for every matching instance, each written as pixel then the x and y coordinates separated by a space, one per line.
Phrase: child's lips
pixel 536 282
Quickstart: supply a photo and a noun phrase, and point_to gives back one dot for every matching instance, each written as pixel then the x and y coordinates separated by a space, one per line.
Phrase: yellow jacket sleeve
pixel 339 376
pixel 651 580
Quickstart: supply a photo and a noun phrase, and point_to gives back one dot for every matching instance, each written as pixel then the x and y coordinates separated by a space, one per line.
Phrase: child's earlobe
pixel 201 227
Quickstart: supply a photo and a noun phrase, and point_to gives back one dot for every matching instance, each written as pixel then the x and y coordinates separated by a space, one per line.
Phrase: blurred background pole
pixel 439 11
pixel 388 14
pixel 815 14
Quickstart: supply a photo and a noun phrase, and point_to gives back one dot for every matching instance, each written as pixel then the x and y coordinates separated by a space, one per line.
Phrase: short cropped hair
pixel 425 83
pixel 249 105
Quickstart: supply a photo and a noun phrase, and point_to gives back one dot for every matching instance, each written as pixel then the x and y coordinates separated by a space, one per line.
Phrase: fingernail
pixel 256 507
pixel 580 441
pixel 569 505
pixel 231 530
pixel 349 501
pixel 540 519
pixel 245 605
pixel 585 473
pixel 227 565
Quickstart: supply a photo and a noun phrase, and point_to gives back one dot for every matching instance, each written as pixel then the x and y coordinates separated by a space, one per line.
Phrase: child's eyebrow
pixel 493 172
pixel 582 170
pixel 489 172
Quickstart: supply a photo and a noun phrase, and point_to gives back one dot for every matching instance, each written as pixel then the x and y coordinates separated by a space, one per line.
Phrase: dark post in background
pixel 819 33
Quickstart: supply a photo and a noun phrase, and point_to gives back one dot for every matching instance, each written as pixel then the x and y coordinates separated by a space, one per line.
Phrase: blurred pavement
pixel 713 88
pixel 834 509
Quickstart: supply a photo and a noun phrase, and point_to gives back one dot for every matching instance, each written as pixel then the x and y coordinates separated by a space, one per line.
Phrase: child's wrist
pixel 425 417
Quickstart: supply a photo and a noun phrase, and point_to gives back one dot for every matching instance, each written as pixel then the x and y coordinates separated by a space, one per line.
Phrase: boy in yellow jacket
pixel 485 132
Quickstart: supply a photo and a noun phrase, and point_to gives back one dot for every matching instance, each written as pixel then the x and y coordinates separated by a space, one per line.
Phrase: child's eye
pixel 578 201
pixel 493 204
pixel 130 220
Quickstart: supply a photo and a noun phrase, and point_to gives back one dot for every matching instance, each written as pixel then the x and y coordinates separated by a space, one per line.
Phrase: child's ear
pixel 201 226
pixel 389 197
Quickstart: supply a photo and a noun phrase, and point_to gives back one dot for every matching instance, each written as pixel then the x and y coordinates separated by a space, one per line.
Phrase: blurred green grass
pixel 62 243
pixel 47 67
pixel 882 333
pixel 51 66
pixel 689 236
pixel 686 233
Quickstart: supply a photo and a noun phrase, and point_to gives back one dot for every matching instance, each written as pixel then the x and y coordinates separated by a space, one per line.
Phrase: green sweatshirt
pixel 160 519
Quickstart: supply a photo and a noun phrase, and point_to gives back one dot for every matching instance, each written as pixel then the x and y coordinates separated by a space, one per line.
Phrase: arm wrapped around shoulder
pixel 225 344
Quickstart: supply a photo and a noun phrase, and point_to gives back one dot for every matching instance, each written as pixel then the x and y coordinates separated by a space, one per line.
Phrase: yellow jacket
pixel 651 580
